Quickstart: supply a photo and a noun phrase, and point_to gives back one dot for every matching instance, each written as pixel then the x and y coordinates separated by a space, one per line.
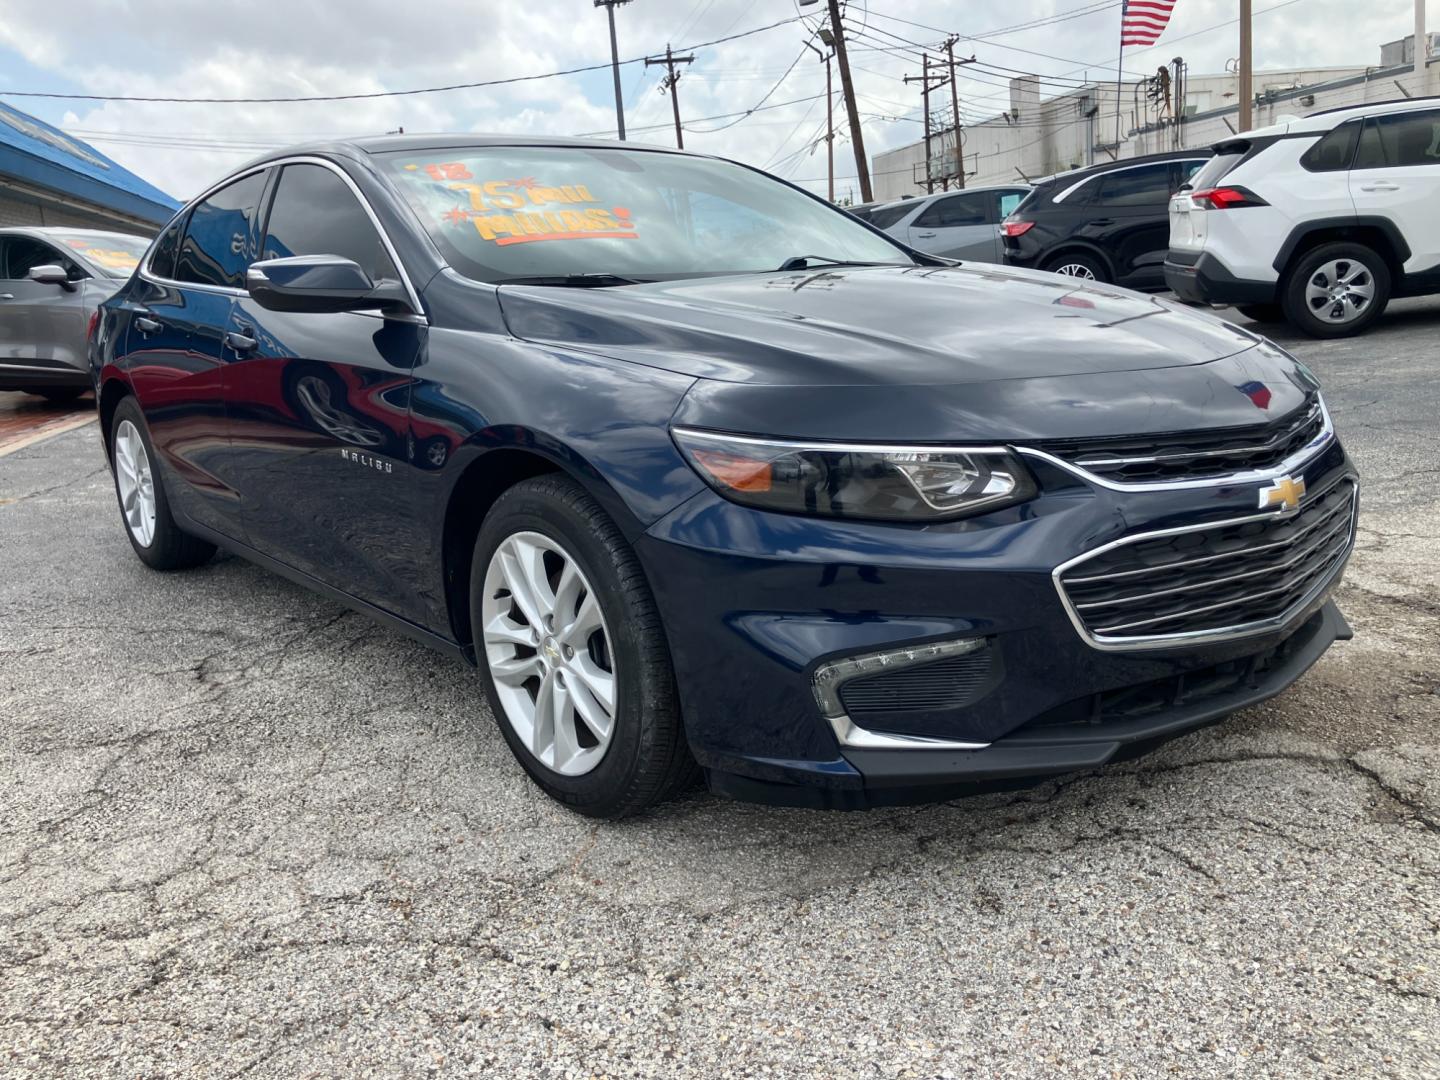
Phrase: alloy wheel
pixel 549 652
pixel 136 484
pixel 1076 270
pixel 1340 291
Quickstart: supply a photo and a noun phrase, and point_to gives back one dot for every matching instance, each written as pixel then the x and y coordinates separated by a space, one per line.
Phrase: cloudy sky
pixel 267 48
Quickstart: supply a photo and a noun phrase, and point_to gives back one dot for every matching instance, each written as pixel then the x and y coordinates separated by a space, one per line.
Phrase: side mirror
pixel 320 283
pixel 50 274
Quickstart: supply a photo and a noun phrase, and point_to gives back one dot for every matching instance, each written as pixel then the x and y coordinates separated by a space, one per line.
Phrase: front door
pixel 42 327
pixel 318 408
pixel 1396 176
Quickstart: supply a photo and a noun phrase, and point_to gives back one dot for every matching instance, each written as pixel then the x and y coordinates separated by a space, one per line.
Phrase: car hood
pixel 912 326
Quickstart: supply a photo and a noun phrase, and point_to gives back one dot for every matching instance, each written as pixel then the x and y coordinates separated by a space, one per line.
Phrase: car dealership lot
pixel 245 830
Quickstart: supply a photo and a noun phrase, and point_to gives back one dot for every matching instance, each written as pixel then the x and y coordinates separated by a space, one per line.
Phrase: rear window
pixel 1335 151
pixel 882 217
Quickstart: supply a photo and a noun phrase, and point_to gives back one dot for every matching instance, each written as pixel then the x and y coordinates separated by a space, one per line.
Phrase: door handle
pixel 1103 221
pixel 146 325
pixel 240 342
pixel 926 235
pixel 1380 186
pixel 7 296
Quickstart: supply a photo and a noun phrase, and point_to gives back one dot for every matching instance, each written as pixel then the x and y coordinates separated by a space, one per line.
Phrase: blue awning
pixel 46 157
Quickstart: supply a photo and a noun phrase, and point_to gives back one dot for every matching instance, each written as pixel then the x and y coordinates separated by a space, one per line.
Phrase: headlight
pixel 879 483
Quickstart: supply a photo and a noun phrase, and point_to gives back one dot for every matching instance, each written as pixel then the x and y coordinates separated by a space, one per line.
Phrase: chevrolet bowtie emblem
pixel 1284 493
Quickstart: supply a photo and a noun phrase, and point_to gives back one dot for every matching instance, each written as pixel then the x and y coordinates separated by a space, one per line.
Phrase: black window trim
pixel 1078 184
pixel 262 218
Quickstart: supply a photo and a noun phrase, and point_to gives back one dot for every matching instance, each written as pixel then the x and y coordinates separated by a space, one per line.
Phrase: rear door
pixel 175 348
pixel 1129 219
pixel 957 227
pixel 41 326
pixel 1396 175
pixel 319 408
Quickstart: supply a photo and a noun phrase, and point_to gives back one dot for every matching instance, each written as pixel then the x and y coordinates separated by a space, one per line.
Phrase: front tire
pixel 572 652
pixel 1336 290
pixel 151 527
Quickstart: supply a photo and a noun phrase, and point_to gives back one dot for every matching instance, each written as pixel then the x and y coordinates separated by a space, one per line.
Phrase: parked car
pixel 1320 221
pixel 1105 223
pixel 954 225
pixel 700 470
pixel 51 282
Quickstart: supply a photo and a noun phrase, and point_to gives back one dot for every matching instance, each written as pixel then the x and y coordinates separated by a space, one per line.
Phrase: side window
pixel 956 211
pixel 1148 185
pixel 315 213
pixel 1187 171
pixel 1390 142
pixel 219 243
pixel 167 247
pixel 1335 151
pixel 1010 202
pixel 885 216
pixel 23 253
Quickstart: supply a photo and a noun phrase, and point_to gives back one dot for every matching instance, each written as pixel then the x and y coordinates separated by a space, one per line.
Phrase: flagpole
pixel 1120 74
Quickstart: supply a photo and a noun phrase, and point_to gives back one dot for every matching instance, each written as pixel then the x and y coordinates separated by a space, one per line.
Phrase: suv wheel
pixel 1337 290
pixel 1076 265
pixel 572 652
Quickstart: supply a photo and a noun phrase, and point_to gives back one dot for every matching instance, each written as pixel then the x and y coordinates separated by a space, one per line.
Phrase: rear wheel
pixel 1336 290
pixel 572 652
pixel 156 538
pixel 1077 265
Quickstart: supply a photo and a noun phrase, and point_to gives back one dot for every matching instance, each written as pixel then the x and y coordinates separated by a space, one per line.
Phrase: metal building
pixel 50 178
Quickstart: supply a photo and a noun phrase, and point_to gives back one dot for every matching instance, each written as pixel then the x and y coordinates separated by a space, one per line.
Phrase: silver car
pixel 952 224
pixel 51 281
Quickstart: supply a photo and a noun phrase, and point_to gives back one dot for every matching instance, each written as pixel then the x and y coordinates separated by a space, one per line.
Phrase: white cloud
pixel 196 48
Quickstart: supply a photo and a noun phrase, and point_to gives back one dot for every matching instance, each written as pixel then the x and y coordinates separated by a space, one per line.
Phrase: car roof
pixel 1327 119
pixel 1075 175
pixel 921 200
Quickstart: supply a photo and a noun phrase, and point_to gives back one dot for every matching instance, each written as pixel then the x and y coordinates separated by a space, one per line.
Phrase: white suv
pixel 1320 220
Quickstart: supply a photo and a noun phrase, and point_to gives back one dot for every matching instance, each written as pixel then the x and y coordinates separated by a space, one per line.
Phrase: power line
pixel 379 93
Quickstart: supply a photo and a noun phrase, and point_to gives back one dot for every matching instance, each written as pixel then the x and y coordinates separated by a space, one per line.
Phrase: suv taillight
pixel 90 326
pixel 1225 198
pixel 1015 228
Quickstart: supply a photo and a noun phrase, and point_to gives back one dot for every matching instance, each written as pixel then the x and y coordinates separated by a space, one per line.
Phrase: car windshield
pixel 114 254
pixel 507 212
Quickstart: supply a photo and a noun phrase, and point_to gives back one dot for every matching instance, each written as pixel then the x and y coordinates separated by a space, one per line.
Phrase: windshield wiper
pixel 805 262
pixel 574 281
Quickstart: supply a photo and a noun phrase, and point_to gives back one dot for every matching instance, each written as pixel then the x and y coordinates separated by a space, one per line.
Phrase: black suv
pixel 1106 223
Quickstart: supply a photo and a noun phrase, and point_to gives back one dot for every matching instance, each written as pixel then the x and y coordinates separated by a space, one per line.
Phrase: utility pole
pixel 1422 44
pixel 671 82
pixel 829 122
pixel 1247 92
pixel 924 81
pixel 955 112
pixel 857 139
pixel 609 6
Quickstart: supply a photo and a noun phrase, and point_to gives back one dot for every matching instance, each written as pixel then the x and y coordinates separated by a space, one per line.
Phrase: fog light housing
pixel 829 677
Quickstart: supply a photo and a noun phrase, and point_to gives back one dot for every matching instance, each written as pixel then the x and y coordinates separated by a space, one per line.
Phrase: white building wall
pixel 1040 138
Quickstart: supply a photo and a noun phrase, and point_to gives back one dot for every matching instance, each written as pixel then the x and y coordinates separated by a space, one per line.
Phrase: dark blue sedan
pixel 702 472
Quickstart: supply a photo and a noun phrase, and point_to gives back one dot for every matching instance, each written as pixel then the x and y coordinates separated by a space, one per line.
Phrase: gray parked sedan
pixel 51 282
pixel 953 224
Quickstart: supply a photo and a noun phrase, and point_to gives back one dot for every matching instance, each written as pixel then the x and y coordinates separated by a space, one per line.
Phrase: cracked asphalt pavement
pixel 244 832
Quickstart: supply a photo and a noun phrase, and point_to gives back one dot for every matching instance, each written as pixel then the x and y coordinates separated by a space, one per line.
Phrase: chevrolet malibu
pixel 702 473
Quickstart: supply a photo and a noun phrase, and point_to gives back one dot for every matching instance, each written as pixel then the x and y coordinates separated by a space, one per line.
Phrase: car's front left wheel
pixel 160 543
pixel 574 657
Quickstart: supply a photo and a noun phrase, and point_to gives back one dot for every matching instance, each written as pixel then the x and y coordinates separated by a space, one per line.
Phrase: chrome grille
pixel 1234 577
pixel 1196 455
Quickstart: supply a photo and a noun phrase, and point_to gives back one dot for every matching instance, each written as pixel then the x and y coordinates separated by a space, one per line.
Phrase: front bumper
pixel 1204 279
pixel 754 603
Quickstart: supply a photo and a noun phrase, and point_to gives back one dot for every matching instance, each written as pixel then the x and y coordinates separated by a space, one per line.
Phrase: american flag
pixel 1143 21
